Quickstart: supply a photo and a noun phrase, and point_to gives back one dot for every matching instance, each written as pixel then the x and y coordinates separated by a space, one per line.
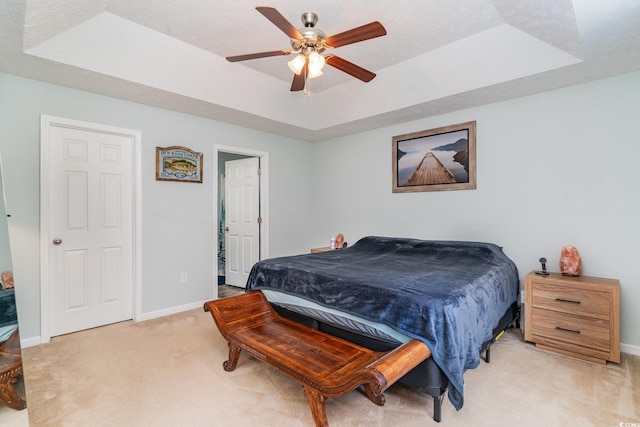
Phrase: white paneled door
pixel 91 224
pixel 242 223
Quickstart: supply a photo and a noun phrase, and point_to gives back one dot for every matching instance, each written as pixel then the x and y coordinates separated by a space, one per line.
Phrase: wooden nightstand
pixel 574 316
pixel 318 250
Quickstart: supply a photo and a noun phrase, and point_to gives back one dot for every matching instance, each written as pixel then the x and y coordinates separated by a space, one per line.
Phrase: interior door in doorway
pixel 242 219
pixel 91 220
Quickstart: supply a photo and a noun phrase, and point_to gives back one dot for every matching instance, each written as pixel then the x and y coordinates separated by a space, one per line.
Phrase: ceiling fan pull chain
pixel 307 84
pixel 307 80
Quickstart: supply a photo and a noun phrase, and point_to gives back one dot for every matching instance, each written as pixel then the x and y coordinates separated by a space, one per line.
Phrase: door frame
pixel 46 122
pixel 264 200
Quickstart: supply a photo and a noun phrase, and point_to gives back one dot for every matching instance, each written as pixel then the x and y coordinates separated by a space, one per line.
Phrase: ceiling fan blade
pixel 248 56
pixel 298 80
pixel 350 68
pixel 364 32
pixel 280 21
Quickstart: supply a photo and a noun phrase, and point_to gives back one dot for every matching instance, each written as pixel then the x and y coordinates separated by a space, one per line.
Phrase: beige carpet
pixel 168 372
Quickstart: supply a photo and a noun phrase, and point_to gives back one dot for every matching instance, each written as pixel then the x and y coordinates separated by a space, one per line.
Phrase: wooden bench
pixel 324 365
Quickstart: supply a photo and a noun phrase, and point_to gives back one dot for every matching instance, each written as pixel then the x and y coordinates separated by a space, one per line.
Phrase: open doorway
pixel 228 253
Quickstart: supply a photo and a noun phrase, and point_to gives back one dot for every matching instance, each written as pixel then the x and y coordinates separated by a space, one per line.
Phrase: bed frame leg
pixel 437 408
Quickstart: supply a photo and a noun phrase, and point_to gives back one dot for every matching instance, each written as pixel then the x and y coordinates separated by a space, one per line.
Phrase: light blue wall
pixel 554 169
pixel 178 231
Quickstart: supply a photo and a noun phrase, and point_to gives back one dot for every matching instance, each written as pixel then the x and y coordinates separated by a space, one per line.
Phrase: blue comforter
pixel 451 295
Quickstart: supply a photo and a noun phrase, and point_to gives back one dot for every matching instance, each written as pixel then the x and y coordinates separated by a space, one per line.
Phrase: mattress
pixel 336 318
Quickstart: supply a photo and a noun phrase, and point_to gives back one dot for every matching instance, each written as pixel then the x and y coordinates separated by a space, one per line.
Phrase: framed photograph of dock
pixel 178 163
pixel 436 159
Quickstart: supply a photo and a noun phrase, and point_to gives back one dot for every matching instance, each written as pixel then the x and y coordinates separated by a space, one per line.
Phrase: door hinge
pixel 259 171
pixel 259 220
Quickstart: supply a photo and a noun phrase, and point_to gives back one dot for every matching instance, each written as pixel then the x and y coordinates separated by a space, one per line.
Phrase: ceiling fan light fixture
pixel 314 74
pixel 297 63
pixel 316 63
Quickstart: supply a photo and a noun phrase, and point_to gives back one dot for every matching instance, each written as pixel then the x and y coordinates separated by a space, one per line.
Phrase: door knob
pixel 57 241
pixel 226 229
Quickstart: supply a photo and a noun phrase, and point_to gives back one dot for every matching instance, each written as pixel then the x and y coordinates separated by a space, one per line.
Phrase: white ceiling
pixel 437 56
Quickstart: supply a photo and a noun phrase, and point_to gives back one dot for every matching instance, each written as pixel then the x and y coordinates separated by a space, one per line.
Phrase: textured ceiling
pixel 438 56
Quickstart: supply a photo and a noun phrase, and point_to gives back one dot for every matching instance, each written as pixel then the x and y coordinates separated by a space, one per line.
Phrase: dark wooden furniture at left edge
pixel 325 366
pixel 10 369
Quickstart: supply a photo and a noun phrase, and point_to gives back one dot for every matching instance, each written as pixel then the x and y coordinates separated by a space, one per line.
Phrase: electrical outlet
pixel 184 278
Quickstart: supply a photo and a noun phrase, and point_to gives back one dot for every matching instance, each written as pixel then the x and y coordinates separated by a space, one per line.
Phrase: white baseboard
pixel 173 310
pixel 30 342
pixel 630 349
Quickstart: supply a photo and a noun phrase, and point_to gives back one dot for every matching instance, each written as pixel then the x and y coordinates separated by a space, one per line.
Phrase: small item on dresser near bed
pixel 6 277
pixel 543 272
pixel 570 261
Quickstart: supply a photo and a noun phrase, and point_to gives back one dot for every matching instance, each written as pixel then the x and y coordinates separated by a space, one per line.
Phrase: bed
pixel 454 296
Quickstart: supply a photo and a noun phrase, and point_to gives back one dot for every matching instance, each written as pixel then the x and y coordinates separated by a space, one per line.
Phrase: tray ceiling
pixel 437 56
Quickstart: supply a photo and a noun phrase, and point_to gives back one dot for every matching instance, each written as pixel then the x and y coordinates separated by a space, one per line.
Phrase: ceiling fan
pixel 309 43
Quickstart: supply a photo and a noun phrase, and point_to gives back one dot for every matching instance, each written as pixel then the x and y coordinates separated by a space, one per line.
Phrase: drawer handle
pixel 567 300
pixel 567 330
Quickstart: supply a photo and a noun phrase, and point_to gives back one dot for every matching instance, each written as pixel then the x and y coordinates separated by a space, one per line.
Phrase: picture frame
pixel 437 159
pixel 177 163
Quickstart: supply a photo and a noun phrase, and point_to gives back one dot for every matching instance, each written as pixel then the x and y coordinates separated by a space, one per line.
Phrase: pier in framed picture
pixel 178 164
pixel 435 159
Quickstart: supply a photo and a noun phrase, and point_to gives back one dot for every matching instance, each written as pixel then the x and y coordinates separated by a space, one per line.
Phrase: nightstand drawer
pixel 585 332
pixel 581 302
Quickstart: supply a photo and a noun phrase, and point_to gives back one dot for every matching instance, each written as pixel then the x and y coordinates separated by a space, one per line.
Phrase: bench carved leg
pixel 377 398
pixel 234 354
pixel 316 402
pixel 9 396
